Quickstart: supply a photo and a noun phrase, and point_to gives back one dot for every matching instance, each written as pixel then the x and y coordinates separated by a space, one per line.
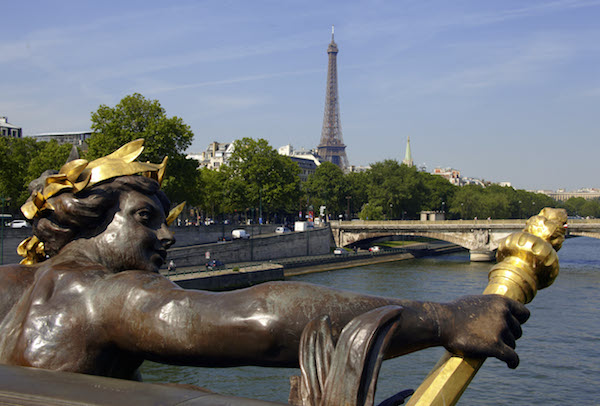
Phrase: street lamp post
pixel 4 199
pixel 260 216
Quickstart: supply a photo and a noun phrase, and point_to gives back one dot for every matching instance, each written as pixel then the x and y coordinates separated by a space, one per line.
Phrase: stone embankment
pixel 264 257
pixel 240 275
pixel 259 247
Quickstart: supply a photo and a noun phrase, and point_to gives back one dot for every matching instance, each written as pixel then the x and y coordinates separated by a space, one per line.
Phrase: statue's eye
pixel 144 216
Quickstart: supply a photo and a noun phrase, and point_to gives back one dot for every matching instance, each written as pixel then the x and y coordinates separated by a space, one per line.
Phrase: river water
pixel 559 350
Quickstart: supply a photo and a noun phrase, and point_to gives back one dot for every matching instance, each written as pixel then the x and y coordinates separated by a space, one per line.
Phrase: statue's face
pixel 138 236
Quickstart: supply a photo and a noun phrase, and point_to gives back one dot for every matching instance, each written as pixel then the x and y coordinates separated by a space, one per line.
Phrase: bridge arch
pixel 480 237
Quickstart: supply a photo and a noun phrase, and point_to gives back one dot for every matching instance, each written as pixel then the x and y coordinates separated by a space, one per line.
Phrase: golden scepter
pixel 526 262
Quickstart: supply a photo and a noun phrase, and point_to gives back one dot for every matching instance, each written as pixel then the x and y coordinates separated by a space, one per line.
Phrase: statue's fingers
pixel 509 339
pixel 518 310
pixel 508 355
pixel 514 326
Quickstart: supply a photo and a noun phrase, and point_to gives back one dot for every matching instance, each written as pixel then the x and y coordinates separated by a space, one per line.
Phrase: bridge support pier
pixel 482 255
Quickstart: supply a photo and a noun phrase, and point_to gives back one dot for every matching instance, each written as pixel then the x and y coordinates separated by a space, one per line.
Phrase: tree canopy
pixel 328 187
pixel 23 160
pixel 137 117
pixel 257 177
pixel 396 189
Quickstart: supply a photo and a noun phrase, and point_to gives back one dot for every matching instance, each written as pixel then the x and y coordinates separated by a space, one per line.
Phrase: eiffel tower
pixel 332 148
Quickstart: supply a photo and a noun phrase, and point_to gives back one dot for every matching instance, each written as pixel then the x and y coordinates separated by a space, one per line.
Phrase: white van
pixel 241 233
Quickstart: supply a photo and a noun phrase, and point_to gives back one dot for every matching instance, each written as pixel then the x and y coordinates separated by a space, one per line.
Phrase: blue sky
pixel 501 90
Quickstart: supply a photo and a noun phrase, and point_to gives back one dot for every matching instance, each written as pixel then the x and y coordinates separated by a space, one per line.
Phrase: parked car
pixel 375 248
pixel 340 251
pixel 282 230
pixel 214 264
pixel 18 224
pixel 239 234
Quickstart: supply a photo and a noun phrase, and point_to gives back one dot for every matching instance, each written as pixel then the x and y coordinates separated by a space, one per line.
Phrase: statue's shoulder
pixel 16 274
pixel 14 280
pixel 140 279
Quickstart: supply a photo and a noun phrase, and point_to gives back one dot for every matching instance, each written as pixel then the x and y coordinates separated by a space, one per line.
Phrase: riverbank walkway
pixel 285 267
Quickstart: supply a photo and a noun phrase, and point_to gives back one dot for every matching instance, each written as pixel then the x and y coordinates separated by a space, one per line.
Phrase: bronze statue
pixel 90 298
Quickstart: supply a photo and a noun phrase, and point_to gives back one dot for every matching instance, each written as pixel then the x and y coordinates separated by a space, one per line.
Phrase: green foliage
pixel 258 177
pixel 358 183
pixel 23 160
pixel 182 181
pixel 371 212
pixel 50 155
pixel 578 206
pixel 328 187
pixel 497 202
pixel 213 191
pixel 438 192
pixel 137 117
pixel 591 208
pixel 396 189
pixel 15 155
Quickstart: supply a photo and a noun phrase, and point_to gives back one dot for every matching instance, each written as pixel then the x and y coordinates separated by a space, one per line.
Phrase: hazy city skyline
pixel 501 90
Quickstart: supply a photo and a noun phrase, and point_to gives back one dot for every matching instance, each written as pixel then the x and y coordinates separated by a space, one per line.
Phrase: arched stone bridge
pixel 480 237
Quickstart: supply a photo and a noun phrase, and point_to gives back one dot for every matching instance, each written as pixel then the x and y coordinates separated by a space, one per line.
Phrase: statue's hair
pixel 88 212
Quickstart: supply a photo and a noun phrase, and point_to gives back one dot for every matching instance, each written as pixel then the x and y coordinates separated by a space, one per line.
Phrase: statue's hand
pixel 483 326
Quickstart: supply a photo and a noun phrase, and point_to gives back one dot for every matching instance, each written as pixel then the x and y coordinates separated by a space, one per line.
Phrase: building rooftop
pixel 4 123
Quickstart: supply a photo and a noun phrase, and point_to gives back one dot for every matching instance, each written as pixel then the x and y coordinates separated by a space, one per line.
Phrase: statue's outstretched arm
pixel 262 325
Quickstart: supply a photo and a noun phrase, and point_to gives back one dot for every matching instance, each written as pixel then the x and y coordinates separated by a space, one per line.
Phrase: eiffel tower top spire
pixel 332 148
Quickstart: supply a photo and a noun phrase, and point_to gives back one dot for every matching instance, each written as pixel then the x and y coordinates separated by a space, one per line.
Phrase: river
pixel 559 350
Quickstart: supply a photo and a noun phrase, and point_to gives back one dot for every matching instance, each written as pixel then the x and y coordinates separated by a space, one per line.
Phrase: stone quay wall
pixel 264 247
pixel 193 243
pixel 228 279
pixel 194 235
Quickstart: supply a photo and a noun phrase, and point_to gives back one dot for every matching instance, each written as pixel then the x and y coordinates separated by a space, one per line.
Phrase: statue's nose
pixel 166 236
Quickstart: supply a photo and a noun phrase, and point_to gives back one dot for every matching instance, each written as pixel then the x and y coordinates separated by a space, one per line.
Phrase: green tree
pixel 438 192
pixel 357 195
pixel 525 204
pixel 50 155
pixel 371 212
pixel 15 156
pixel 213 192
pixel 397 189
pixel 258 177
pixel 137 117
pixel 575 206
pixel 591 208
pixel 328 187
pixel 467 202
